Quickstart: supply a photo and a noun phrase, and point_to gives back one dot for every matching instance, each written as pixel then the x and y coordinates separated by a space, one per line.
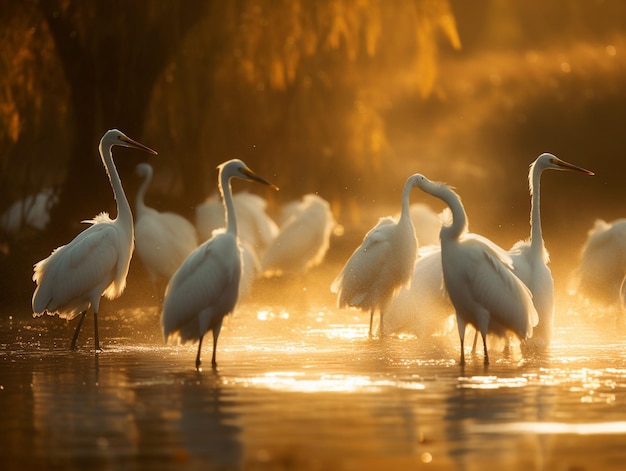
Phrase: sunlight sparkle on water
pixel 291 381
pixel 491 382
pixel 553 428
pixel 268 315
pixel 340 331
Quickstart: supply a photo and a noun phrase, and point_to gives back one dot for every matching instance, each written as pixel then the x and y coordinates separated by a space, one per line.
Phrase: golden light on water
pixel 342 331
pixel 292 381
pixel 491 382
pixel 265 315
pixel 598 428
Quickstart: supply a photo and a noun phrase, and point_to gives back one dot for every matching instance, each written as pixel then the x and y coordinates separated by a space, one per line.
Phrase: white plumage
pixel 206 286
pixel 426 222
pixel 530 257
pixel 602 267
pixel 381 265
pixel 162 239
pixel 303 239
pixel 422 307
pixel 255 227
pixel 478 277
pixel 33 211
pixel 96 262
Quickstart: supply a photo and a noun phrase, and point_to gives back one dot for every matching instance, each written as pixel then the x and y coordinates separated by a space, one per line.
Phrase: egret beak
pixel 567 166
pixel 253 176
pixel 128 142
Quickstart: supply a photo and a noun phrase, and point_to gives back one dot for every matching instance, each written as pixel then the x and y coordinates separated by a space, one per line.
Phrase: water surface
pixel 303 387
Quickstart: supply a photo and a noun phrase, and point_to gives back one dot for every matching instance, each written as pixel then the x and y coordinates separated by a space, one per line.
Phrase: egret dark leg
pixel 460 323
pixel 95 327
pixel 198 362
pixel 214 357
pixel 216 334
pixel 462 352
pixel 475 342
pixel 371 321
pixel 485 349
pixel 75 337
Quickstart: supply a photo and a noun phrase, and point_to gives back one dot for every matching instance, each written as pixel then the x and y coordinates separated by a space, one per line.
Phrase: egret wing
pixel 362 269
pixel 495 287
pixel 75 269
pixel 208 280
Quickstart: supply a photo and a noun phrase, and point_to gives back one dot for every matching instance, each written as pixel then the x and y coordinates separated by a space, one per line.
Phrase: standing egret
pixel 382 264
pixel 163 239
pixel 75 276
pixel 530 257
pixel 303 239
pixel 479 278
pixel 206 286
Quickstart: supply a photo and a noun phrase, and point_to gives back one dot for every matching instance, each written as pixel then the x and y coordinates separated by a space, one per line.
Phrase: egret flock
pixel 417 270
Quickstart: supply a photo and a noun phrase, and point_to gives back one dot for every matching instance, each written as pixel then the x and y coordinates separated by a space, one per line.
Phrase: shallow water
pixel 304 388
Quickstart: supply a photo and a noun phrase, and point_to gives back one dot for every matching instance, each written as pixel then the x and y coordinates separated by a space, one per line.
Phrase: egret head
pixel 423 183
pixel 143 169
pixel 549 161
pixel 115 137
pixel 235 168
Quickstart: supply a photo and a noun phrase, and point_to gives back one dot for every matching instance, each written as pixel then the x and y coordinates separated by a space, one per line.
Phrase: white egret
pixel 382 264
pixel 303 239
pixel 530 257
pixel 206 286
pixel 162 239
pixel 478 277
pixel 33 211
pixel 96 262
pixel 602 266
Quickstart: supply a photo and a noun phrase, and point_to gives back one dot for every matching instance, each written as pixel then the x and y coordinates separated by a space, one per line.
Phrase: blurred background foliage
pixel 341 97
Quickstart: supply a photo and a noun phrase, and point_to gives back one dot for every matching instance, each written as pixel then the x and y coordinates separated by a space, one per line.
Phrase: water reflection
pixel 81 412
pixel 308 390
pixel 208 421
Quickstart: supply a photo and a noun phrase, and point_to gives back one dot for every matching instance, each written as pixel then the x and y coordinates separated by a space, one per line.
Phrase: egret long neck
pixel 405 214
pixel 140 204
pixel 229 207
pixel 124 213
pixel 536 236
pixel 459 217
